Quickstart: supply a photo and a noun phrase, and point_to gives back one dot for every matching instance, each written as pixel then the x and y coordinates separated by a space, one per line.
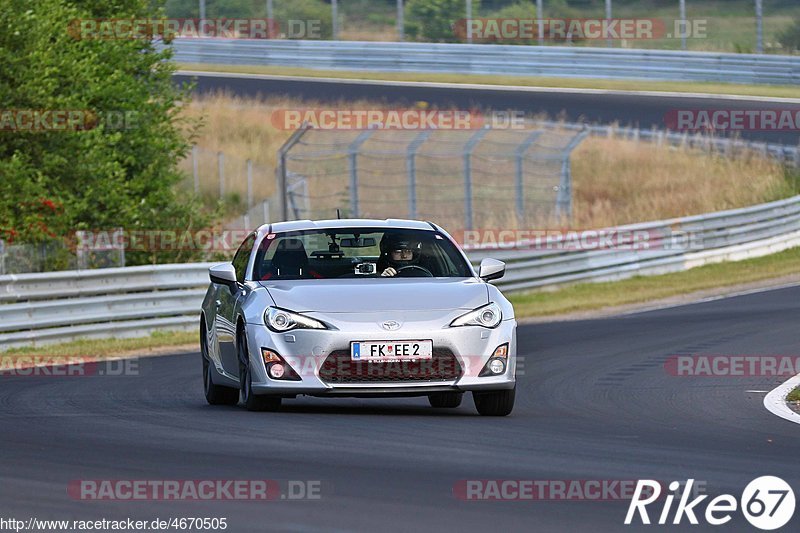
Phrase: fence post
pixel 539 23
pixel 411 170
pixel 401 30
pixel 519 155
pixel 221 169
pixel 195 173
pixel 281 173
pixel 119 237
pixel 249 184
pixel 335 19
pixel 682 17
pixel 759 27
pixel 564 197
pixel 468 147
pixel 353 166
pixel 469 20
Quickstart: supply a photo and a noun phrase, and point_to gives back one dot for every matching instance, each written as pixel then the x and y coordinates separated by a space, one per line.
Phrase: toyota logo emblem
pixel 391 325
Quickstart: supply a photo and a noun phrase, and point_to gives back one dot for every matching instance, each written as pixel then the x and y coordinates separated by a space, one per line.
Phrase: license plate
pixel 385 351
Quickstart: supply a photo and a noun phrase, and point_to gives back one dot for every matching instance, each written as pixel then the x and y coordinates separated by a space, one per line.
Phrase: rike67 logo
pixel 767 503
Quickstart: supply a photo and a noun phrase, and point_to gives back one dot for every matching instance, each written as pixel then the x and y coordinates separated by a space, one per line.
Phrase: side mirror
pixel 491 269
pixel 223 274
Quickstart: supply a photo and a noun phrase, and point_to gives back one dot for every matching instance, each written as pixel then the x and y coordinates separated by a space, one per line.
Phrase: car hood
pixel 376 294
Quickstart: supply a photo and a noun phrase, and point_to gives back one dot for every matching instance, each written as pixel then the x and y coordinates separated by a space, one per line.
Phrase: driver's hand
pixel 389 272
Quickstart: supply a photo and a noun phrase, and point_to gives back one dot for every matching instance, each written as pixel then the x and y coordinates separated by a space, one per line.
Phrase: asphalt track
pixel 640 110
pixel 594 403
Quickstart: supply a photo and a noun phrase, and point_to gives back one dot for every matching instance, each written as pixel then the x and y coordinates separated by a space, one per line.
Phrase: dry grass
pixel 619 182
pixel 615 181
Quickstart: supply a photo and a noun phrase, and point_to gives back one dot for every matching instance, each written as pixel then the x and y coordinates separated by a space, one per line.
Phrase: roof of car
pixel 389 223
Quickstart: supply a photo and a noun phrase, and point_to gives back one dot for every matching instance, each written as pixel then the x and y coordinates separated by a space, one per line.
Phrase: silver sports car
pixel 360 308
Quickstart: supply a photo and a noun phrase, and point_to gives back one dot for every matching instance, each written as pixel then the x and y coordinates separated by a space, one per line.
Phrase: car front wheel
pixel 495 403
pixel 445 399
pixel 215 394
pixel 253 402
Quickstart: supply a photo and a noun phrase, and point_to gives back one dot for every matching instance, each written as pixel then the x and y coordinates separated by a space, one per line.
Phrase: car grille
pixel 339 368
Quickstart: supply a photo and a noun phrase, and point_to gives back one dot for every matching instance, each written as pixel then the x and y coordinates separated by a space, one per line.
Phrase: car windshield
pixel 358 253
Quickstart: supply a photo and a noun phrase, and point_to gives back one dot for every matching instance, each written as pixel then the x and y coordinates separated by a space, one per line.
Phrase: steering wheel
pixel 425 271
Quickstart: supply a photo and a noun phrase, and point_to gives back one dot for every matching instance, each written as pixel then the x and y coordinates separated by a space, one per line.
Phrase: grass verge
pixel 788 91
pixel 155 344
pixel 641 289
pixel 794 396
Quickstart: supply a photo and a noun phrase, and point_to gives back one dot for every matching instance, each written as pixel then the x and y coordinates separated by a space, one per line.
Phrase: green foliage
pixel 112 175
pixel 434 20
pixel 305 10
pixel 790 37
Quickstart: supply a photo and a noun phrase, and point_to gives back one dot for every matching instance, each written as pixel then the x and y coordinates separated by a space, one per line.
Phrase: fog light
pixel 497 366
pixel 497 363
pixel 269 356
pixel 501 351
pixel 276 371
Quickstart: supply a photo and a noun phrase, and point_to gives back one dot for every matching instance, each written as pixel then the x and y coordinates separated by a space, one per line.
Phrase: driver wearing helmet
pixel 398 251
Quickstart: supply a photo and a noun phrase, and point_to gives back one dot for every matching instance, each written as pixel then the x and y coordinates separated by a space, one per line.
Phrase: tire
pixel 253 402
pixel 215 394
pixel 445 399
pixel 495 403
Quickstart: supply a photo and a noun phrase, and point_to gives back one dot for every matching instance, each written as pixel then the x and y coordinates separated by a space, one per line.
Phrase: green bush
pixel 305 10
pixel 108 176
pixel 790 37
pixel 434 20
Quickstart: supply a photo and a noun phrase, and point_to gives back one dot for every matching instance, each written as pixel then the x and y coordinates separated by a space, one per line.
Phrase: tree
pixel 119 167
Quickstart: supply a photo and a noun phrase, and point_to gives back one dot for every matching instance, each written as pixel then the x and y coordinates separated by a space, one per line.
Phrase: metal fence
pixel 502 60
pixel 458 178
pixel 58 255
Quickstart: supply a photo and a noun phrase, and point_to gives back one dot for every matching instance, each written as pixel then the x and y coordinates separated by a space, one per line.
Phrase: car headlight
pixel 280 320
pixel 488 316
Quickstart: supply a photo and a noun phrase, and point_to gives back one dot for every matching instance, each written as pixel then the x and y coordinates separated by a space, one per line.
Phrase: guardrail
pixel 554 61
pixel 113 302
pixel 134 301
pixel 672 245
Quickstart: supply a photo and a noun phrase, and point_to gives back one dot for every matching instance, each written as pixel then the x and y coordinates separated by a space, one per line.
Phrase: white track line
pixel 487 87
pixel 775 401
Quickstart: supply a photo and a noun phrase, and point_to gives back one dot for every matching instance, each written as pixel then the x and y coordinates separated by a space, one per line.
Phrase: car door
pixel 226 303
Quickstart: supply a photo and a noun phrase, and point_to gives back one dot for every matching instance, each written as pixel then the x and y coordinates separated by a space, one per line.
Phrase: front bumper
pixel 306 351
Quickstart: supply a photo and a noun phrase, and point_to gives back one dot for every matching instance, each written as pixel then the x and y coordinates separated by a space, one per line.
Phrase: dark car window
pixel 356 253
pixel 242 257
